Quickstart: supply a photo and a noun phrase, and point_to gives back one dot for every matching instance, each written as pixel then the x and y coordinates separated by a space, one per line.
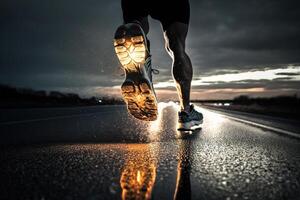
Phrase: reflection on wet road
pixel 183 183
pixel 139 173
pixel 127 159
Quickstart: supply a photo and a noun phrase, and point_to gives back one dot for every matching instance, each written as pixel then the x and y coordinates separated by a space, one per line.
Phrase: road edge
pixel 277 130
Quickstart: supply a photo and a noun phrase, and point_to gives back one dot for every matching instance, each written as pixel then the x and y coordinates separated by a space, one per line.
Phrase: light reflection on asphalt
pixel 139 174
pixel 139 171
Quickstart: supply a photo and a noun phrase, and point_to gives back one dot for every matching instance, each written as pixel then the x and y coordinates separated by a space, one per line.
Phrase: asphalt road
pixel 102 153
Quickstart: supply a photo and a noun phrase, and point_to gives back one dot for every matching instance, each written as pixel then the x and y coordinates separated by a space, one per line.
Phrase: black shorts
pixel 166 11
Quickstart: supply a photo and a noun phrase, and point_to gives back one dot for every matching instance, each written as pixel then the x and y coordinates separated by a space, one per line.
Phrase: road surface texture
pixel 103 153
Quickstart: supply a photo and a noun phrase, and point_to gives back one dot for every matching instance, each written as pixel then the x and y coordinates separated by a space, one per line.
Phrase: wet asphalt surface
pixel 102 153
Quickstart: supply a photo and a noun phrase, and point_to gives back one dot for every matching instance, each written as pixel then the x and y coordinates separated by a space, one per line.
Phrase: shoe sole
pixel 189 126
pixel 141 102
pixel 137 91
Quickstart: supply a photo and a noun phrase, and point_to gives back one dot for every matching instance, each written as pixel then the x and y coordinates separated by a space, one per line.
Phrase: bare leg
pixel 175 36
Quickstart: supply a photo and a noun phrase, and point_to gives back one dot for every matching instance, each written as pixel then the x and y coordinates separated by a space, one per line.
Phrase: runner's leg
pixel 175 36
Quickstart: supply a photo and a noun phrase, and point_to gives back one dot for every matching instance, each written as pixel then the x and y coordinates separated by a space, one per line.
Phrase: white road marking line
pixel 278 130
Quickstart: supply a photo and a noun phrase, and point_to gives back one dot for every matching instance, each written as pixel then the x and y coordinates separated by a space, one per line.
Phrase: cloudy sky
pixel 236 46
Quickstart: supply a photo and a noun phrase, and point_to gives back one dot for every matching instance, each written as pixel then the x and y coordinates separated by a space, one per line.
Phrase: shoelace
pixel 155 71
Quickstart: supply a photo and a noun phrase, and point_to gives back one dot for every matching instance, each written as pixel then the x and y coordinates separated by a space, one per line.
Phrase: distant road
pixel 103 153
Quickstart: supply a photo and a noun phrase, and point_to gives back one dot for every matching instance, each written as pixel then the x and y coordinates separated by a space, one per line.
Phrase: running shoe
pixel 189 121
pixel 132 50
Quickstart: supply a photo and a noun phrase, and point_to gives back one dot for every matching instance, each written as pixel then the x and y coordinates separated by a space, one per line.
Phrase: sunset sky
pixel 237 47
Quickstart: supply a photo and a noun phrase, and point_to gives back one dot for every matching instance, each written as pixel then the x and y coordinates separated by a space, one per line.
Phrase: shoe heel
pixel 140 100
pixel 128 89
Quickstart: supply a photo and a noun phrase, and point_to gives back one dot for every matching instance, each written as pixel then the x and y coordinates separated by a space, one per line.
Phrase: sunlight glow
pixel 268 74
pixel 155 127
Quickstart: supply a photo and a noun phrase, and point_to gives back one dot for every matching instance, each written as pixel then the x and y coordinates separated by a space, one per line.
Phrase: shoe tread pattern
pixel 140 99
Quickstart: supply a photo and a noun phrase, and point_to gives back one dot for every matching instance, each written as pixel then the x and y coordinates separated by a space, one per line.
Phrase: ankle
pixel 186 109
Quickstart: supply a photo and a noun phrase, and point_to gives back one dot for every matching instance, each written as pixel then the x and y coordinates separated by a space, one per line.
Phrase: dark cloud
pixel 240 34
pixel 283 79
pixel 282 84
pixel 68 44
pixel 288 74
